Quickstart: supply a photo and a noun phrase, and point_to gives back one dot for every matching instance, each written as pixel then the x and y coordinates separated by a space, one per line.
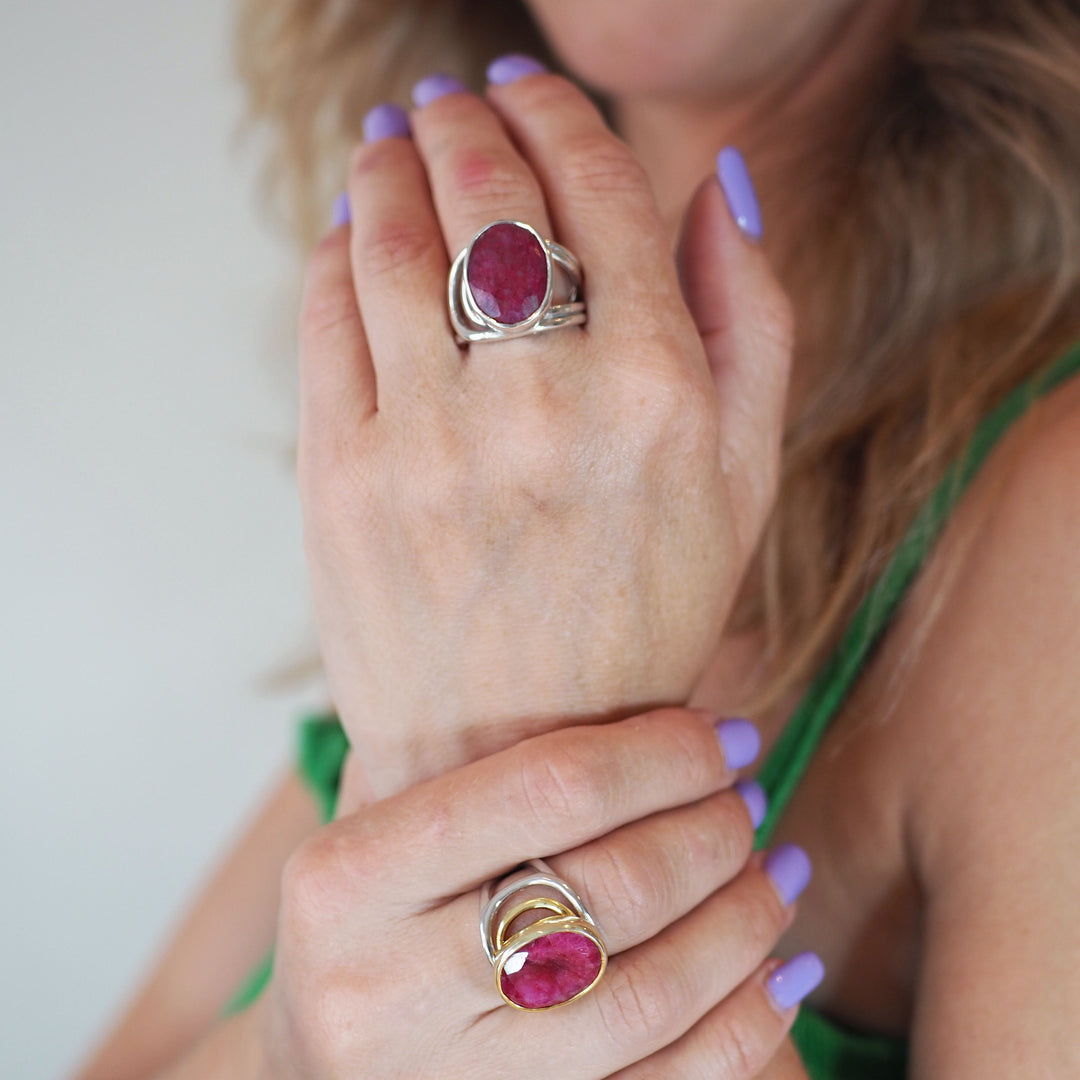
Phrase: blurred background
pixel 151 571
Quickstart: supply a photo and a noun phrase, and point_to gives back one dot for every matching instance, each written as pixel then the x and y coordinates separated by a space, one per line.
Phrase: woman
pixel 521 547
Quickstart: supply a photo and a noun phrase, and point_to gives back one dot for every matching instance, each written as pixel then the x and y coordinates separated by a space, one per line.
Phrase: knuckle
pixel 633 887
pixel 319 878
pixel 730 836
pixel 737 1045
pixel 758 914
pixel 668 405
pixel 368 158
pixel 560 789
pixel 323 312
pixel 326 303
pixel 598 162
pixel 479 176
pixel 396 243
pixel 641 1006
pixel 689 750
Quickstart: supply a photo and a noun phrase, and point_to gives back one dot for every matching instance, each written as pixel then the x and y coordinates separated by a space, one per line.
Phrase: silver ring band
pixel 551 961
pixel 537 311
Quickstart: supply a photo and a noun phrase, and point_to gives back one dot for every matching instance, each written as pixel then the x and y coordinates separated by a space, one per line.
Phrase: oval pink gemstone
pixel 507 273
pixel 551 970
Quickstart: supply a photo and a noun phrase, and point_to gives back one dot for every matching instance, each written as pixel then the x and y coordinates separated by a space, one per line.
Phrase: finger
pixel 740 1037
pixel 543 796
pixel 400 265
pixel 652 995
pixel 476 173
pixel 337 380
pixel 601 203
pixel 635 881
pixel 648 874
pixel 745 323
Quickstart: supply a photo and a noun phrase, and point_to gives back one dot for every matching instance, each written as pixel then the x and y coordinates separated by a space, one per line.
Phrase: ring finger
pixel 645 876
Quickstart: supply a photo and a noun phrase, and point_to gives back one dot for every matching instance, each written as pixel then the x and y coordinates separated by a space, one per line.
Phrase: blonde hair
pixel 942 265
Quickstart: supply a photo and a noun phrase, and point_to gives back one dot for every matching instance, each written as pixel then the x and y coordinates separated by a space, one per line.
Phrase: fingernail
pixel 340 215
pixel 790 870
pixel 791 982
pixel 434 87
pixel 508 69
pixel 739 191
pixel 739 740
pixel 753 794
pixel 385 121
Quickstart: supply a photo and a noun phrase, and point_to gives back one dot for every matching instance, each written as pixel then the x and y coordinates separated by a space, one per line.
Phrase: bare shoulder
pixel 991 697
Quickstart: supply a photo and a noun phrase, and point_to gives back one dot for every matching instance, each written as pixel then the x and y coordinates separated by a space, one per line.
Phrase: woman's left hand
pixel 551 526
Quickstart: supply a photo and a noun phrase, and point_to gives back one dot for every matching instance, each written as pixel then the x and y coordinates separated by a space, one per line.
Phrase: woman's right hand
pixel 379 970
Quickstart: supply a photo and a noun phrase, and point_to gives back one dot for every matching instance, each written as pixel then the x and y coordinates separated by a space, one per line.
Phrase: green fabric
pixel 320 754
pixel 829 1050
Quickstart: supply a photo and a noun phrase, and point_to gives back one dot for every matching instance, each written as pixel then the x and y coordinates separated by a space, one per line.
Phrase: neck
pixel 784 125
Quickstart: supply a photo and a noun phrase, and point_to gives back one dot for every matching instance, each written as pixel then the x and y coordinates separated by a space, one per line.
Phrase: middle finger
pixel 476 174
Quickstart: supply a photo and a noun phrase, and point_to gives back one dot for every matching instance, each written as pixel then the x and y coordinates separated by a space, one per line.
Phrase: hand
pixel 379 969
pixel 553 526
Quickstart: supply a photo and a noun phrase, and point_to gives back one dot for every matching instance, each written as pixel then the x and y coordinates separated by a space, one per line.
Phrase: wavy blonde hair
pixel 948 229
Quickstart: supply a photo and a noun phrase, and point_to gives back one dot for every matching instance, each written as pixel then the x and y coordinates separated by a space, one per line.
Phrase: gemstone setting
pixel 508 274
pixel 550 963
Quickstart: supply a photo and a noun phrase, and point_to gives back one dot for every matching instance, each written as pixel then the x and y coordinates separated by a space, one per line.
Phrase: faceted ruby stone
pixel 507 273
pixel 551 970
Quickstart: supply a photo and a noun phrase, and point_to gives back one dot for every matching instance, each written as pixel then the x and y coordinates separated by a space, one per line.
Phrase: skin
pixel 942 903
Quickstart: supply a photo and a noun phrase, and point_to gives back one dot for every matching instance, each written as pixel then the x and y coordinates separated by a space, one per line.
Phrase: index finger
pixel 547 795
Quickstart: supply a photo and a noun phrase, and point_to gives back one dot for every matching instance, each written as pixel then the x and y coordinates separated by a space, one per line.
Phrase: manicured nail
pixel 434 87
pixel 508 69
pixel 739 191
pixel 385 121
pixel 753 794
pixel 791 982
pixel 740 741
pixel 790 870
pixel 340 214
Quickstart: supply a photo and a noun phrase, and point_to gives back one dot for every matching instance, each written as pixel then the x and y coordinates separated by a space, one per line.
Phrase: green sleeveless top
pixel 829 1050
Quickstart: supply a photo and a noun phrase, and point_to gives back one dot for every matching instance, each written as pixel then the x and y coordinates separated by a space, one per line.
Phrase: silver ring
pixel 509 282
pixel 550 962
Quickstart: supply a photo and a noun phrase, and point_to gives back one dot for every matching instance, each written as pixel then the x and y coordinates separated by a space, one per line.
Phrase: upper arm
pixel 994 823
pixel 225 934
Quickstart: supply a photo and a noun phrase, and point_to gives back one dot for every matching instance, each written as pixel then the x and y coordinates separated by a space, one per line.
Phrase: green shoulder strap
pixel 788 761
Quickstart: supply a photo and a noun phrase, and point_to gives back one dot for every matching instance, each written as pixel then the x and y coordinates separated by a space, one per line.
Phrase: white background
pixel 151 572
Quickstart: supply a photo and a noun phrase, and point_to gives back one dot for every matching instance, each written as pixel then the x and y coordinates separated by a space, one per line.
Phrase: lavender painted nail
pixel 508 69
pixel 739 191
pixel 790 870
pixel 753 794
pixel 385 121
pixel 434 87
pixel 739 740
pixel 791 982
pixel 340 215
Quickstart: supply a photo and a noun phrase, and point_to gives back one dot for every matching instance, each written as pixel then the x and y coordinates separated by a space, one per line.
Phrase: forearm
pixel 230 1051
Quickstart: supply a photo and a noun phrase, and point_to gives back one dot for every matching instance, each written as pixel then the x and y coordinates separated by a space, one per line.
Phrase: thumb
pixel 746 325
